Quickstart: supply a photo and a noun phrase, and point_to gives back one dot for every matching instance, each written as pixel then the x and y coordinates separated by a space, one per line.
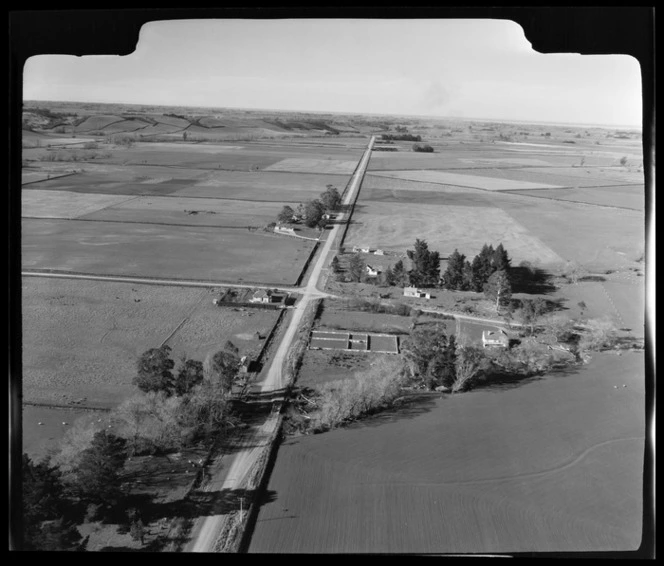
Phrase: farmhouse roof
pixel 494 337
pixel 262 293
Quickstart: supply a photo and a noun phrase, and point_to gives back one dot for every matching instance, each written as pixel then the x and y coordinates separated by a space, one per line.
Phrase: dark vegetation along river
pixel 551 464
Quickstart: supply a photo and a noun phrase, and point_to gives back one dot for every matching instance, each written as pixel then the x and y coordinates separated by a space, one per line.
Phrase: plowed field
pixel 552 465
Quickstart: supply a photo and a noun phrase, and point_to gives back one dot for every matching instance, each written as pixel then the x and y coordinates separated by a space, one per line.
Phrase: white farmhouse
pixel 372 272
pixel 495 338
pixel 415 292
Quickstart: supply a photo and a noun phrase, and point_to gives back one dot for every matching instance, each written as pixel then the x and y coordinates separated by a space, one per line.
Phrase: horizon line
pixel 347 113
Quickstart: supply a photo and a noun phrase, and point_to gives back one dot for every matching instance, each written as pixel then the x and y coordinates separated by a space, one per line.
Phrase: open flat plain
pixel 552 464
pixel 159 209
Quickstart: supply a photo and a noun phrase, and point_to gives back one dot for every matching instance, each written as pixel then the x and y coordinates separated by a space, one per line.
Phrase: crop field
pixel 82 338
pixel 471 180
pixel 176 210
pixel 321 166
pixel 389 209
pixel 65 204
pixel 263 186
pixel 455 155
pixel 94 123
pixel 554 464
pixel 598 238
pixel 563 176
pixel 158 129
pixel 166 251
pixel 445 228
pixel 629 196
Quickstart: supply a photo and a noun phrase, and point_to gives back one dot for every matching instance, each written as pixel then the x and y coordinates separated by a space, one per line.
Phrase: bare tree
pixel 468 365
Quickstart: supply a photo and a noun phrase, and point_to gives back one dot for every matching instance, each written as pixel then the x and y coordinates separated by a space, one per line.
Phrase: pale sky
pixel 443 68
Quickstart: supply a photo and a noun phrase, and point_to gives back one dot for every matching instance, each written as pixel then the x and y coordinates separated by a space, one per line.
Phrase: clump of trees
pixel 45 505
pixel 124 140
pixel 402 137
pixel 430 356
pixel 312 212
pixel 426 265
pixel 422 147
pixel 462 275
pixel 346 400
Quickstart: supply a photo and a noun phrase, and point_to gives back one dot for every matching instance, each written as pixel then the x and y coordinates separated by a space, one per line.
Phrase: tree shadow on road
pixel 197 504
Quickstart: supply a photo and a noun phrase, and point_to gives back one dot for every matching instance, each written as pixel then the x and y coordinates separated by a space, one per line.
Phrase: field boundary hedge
pixel 298 281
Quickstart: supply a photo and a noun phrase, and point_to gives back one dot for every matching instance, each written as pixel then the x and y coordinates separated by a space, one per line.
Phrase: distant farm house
pixel 284 230
pixel 371 271
pixel 267 296
pixel 363 250
pixel 495 338
pixel 415 292
pixel 379 252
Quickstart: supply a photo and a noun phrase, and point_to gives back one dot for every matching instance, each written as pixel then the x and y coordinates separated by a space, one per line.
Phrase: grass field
pixel 321 166
pixel 65 204
pixel 552 465
pixel 82 338
pixel 322 366
pixel 279 187
pixel 152 250
pixel 445 228
pixel 191 211
pixel 629 196
pixel 471 180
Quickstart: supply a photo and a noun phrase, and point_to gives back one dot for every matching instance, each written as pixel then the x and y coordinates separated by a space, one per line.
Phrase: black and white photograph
pixel 333 285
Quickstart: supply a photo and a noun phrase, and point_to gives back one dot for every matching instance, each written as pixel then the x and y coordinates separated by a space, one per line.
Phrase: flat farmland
pixel 263 186
pixel 598 238
pixel 176 210
pixel 548 177
pixel 392 212
pixel 113 179
pixel 454 155
pixel 321 166
pixel 82 338
pixel 554 465
pixel 446 227
pixel 629 196
pixel 150 250
pixel 471 180
pixel 65 204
